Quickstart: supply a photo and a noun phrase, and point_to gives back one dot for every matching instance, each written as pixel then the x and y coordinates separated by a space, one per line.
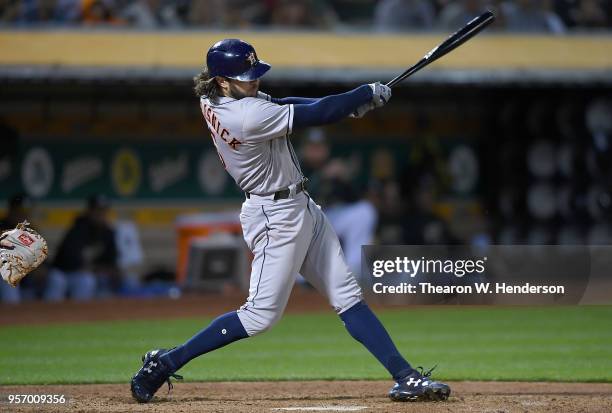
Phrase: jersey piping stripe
pixel 290 146
pixel 289 119
pixel 293 156
pixel 264 256
pixel 314 220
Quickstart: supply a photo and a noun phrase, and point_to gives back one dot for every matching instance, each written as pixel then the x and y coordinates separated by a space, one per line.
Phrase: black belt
pixel 284 193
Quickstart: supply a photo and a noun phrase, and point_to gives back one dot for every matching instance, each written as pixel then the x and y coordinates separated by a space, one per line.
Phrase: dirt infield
pixel 360 396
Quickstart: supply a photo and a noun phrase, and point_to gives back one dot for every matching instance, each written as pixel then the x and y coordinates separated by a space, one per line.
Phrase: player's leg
pixel 57 285
pixel 161 364
pixel 325 267
pixel 278 253
pixel 9 294
pixel 82 285
pixel 278 235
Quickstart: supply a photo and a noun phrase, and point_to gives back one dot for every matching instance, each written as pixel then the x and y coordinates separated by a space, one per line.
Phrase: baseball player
pixel 284 228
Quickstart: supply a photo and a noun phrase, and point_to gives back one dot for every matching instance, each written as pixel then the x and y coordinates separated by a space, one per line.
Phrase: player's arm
pixel 333 108
pixel 293 100
pixel 265 120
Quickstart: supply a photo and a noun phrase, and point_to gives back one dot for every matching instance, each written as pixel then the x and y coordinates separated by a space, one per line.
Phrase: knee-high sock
pixel 365 327
pixel 223 330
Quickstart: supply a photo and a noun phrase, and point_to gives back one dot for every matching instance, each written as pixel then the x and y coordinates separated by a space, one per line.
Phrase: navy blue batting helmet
pixel 235 59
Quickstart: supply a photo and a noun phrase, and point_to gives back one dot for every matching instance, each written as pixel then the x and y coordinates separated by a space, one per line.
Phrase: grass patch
pixel 479 343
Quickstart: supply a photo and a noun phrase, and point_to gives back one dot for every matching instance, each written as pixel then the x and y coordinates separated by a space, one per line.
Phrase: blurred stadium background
pixel 507 140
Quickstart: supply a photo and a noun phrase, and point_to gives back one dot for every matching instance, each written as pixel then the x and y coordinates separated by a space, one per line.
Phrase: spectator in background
pixel 354 13
pixel 19 208
pixel 130 254
pixel 151 14
pixel 406 198
pixel 14 215
pixel 404 15
pixel 100 12
pixel 85 265
pixel 235 14
pixel 207 13
pixel 531 16
pixel 456 14
pixel 18 211
pixel 27 12
pixel 36 12
pixel 425 176
pixel 350 213
pixel 9 156
pixel 67 11
pixel 439 5
pixel 588 14
pixel 302 14
pixel 315 155
pixel 386 195
pixel 9 10
pixel 421 226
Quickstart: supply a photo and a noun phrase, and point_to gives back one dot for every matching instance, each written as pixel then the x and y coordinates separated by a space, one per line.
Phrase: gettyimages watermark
pixel 517 274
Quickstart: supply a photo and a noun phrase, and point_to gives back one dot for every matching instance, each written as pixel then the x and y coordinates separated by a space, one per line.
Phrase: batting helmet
pixel 235 59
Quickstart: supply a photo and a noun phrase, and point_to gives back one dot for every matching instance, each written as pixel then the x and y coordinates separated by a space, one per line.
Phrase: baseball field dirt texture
pixel 497 359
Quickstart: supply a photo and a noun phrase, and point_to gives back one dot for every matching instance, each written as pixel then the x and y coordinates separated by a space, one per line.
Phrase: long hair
pixel 204 85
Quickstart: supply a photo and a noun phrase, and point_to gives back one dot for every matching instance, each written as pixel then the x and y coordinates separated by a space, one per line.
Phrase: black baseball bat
pixel 455 40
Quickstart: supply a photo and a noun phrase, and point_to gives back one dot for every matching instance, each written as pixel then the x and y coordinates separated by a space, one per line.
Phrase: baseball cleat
pixel 418 386
pixel 151 376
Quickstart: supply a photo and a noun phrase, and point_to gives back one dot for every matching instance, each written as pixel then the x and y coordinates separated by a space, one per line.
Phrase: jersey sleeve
pixel 266 120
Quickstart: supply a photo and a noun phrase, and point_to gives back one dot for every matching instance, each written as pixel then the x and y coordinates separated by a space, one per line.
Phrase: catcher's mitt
pixel 21 250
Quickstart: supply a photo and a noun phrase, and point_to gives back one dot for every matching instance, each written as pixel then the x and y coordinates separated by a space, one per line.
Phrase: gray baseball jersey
pixel 287 236
pixel 252 138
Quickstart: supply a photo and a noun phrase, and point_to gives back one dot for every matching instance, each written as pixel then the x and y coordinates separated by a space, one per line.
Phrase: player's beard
pixel 239 94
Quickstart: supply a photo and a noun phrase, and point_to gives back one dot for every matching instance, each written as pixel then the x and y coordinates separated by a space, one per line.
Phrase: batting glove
pixel 380 94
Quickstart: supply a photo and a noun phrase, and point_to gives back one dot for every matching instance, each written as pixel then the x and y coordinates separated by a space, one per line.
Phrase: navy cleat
pixel 418 386
pixel 151 376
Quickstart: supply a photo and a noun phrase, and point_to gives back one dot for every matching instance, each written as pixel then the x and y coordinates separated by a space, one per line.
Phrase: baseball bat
pixel 455 40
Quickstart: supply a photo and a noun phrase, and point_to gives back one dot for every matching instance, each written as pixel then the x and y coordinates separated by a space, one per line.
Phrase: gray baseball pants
pixel 287 237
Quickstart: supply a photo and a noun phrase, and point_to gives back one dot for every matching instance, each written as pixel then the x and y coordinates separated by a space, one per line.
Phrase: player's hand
pixel 362 110
pixel 264 96
pixel 380 94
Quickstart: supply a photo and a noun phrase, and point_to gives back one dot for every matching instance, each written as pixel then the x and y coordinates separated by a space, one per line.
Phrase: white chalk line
pixel 321 408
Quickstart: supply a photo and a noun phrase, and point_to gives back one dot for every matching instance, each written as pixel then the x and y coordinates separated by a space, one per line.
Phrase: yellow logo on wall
pixel 126 172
